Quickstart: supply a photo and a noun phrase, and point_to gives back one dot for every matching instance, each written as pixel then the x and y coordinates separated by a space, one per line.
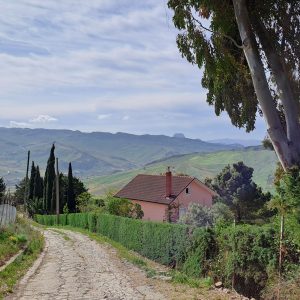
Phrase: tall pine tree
pixel 70 192
pixel 49 183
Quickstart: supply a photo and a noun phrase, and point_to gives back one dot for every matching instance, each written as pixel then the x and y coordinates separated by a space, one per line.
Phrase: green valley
pixel 200 165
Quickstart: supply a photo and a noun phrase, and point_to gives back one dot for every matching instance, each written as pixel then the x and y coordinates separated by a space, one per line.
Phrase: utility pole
pixel 57 192
pixel 26 182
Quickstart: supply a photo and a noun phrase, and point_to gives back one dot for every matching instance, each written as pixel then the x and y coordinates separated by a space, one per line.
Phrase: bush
pixel 124 208
pixel 247 256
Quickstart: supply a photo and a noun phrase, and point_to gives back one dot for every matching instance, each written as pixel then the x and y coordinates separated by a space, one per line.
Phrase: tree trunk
pixel 275 129
pixel 291 108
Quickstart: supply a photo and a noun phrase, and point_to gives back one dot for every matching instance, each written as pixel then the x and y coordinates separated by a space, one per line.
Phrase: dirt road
pixel 76 267
pixel 73 266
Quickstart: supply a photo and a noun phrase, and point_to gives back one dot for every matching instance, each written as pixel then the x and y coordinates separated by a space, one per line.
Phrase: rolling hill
pixel 92 154
pixel 200 165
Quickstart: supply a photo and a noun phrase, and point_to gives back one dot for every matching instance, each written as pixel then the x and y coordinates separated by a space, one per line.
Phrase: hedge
pixel 165 243
pixel 244 254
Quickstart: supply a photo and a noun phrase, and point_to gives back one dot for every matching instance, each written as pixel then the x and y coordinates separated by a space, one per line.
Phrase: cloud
pixel 19 124
pixel 43 119
pixel 103 116
pixel 126 118
pixel 77 59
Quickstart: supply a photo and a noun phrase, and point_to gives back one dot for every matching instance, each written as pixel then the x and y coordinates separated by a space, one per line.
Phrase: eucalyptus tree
pixel 250 55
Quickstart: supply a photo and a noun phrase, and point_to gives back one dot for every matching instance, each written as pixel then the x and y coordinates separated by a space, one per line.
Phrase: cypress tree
pixel 49 182
pixel 31 181
pixel 38 184
pixel 70 192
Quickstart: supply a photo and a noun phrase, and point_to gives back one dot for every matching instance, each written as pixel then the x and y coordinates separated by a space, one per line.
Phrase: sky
pixel 102 65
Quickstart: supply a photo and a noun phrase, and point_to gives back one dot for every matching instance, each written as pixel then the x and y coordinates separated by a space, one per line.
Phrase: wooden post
pixel 57 192
pixel 281 246
pixel 26 182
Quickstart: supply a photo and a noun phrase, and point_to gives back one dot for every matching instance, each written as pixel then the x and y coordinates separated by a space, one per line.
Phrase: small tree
pixel 201 216
pixel 20 191
pixel 236 189
pixel 197 215
pixel 124 208
pixel 286 202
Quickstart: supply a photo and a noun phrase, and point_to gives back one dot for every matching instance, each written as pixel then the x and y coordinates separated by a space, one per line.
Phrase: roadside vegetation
pixel 14 238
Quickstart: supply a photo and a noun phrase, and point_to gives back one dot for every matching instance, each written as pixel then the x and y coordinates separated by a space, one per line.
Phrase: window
pixel 182 211
pixel 187 190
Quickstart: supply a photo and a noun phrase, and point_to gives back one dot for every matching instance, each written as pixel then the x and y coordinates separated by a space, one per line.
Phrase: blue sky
pixel 102 65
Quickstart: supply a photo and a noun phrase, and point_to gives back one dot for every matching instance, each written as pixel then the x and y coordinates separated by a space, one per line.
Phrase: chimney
pixel 168 183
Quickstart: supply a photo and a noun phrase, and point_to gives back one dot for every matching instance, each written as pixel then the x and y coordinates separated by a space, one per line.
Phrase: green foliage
pixel 49 182
pixel 2 189
pixel 20 191
pixel 31 181
pixel 248 256
pixel 287 205
pixel 70 191
pixel 203 216
pixel 236 189
pixel 197 215
pixel 18 235
pixel 209 38
pixel 83 202
pixel 124 208
pixel 35 206
pixel 287 200
pixel 201 253
pixel 38 184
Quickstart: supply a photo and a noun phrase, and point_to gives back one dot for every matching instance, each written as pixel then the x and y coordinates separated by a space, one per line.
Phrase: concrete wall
pixel 8 214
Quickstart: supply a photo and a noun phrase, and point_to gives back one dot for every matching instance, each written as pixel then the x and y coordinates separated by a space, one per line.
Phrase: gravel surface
pixel 75 267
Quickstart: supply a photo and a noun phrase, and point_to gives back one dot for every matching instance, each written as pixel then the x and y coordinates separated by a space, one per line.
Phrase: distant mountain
pixel 92 154
pixel 200 165
pixel 245 143
pixel 179 135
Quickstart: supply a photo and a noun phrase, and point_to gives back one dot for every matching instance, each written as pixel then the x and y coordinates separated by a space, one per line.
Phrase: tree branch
pixel 218 33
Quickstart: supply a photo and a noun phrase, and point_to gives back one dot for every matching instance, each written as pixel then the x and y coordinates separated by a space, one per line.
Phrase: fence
pixel 8 214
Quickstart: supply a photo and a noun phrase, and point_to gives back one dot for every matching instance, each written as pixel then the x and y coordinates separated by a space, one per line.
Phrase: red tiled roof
pixel 152 188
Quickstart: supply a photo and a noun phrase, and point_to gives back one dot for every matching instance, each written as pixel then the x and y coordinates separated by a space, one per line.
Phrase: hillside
pixel 92 154
pixel 198 165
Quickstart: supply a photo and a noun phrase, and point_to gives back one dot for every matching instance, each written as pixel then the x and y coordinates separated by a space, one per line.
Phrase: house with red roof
pixel 166 197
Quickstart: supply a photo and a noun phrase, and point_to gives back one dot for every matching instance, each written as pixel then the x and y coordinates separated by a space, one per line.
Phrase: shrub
pixel 124 208
pixel 247 254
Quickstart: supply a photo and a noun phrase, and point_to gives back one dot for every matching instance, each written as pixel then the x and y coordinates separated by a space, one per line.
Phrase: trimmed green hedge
pixel 166 243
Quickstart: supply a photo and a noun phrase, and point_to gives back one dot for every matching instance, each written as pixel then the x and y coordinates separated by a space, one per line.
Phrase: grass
pixel 137 260
pixel 12 273
pixel 200 165
pixel 12 239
